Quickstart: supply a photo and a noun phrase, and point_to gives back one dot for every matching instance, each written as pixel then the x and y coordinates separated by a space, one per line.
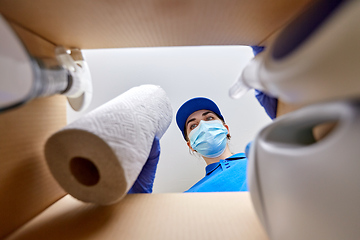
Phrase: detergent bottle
pixel 314 58
pixel 303 188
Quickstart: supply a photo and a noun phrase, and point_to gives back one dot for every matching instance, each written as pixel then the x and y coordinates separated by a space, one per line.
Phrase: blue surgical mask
pixel 209 138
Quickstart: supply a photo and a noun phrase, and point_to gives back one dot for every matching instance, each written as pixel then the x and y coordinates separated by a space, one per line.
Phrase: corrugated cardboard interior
pixel 26 186
pixel 149 216
pixel 127 23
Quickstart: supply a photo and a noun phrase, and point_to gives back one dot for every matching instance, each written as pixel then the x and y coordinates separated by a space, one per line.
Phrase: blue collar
pixel 211 167
pixel 236 156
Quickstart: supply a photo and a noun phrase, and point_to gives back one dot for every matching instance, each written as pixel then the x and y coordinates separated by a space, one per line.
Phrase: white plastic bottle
pixel 307 189
pixel 315 58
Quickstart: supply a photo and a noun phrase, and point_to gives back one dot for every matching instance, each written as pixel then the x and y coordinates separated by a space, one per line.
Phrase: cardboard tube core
pixel 84 171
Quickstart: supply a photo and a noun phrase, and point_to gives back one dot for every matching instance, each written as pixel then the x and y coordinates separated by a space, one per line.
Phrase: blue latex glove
pixel 144 182
pixel 267 102
pixel 257 49
pixel 247 149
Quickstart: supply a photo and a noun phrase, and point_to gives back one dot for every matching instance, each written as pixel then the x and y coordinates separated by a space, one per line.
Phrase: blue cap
pixel 193 105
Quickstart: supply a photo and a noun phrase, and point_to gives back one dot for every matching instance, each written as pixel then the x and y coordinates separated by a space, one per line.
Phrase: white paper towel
pixel 98 157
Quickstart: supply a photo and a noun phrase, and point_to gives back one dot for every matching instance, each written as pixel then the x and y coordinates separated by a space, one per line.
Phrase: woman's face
pixel 194 119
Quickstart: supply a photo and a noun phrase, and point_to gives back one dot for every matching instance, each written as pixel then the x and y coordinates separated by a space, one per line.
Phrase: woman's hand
pixel 267 102
pixel 144 182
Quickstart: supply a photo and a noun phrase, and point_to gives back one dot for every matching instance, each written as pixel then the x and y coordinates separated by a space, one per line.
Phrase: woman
pixel 204 129
pixel 217 177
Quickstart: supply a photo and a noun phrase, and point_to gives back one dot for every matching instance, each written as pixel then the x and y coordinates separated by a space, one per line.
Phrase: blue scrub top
pixel 227 175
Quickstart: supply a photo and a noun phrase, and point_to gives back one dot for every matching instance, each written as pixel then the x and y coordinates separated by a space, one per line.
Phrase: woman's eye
pixel 209 118
pixel 193 126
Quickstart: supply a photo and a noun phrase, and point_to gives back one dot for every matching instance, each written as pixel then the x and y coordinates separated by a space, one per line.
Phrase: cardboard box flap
pixel 26 184
pixel 90 24
pixel 149 216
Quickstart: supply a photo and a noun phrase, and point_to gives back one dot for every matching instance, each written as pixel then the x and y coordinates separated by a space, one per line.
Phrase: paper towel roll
pixel 98 157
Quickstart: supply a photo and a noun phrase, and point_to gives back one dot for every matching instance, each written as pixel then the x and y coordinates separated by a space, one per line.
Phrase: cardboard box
pixel 152 23
pixel 26 187
pixel 149 216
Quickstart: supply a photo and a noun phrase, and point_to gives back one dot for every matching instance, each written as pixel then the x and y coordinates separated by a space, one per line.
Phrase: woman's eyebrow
pixel 193 119
pixel 205 113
